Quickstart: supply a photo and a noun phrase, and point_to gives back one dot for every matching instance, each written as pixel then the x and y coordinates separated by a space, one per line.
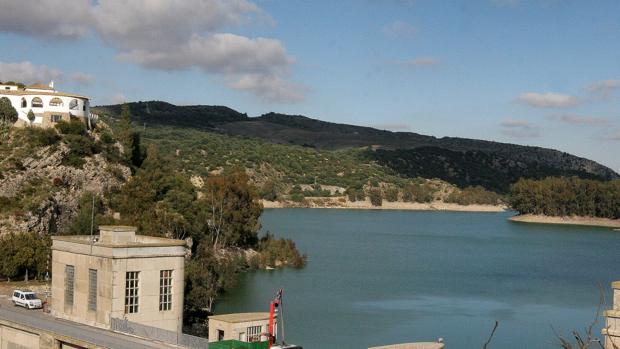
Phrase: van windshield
pixel 30 296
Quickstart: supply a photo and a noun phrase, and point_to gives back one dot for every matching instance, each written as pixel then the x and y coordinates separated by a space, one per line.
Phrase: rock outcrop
pixel 59 189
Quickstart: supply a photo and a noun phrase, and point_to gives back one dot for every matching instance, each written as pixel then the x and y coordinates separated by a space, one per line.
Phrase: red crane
pixel 275 303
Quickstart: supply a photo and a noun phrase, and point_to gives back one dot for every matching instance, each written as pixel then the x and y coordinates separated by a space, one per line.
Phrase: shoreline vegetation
pixel 568 220
pixel 339 203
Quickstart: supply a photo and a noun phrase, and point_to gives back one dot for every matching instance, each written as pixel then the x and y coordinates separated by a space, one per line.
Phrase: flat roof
pixel 241 317
pixel 141 241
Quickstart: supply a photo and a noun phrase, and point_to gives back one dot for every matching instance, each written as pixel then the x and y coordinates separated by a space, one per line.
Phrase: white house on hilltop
pixel 48 105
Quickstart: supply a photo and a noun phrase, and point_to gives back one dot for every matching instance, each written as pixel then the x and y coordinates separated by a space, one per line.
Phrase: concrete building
pixel 48 105
pixel 611 331
pixel 118 275
pixel 244 327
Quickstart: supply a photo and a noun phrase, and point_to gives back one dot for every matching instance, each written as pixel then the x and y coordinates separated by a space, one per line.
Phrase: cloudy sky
pixel 540 72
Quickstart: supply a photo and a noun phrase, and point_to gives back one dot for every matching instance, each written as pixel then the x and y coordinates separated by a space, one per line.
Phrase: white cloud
pixel 548 100
pixel 28 73
pixel 82 78
pixel 171 35
pixel 268 87
pixel 46 18
pixel 519 129
pixel 604 88
pixel 422 62
pixel 118 98
pixel 400 29
pixel 575 119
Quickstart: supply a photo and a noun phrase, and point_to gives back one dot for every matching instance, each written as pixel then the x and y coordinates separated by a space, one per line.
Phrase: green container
pixel 234 344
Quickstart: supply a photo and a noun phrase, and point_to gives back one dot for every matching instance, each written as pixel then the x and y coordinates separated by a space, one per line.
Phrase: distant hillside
pixel 463 162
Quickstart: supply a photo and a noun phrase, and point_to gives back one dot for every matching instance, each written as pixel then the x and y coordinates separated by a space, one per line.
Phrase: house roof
pixel 40 87
pixel 41 93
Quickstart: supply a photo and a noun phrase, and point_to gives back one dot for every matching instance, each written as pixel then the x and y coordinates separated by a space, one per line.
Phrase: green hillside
pixel 286 150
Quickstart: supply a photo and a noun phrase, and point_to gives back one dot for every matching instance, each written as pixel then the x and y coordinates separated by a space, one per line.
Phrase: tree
pixel 31 116
pixel 8 114
pixel 129 139
pixel 160 201
pixel 23 254
pixel 231 210
pixel 376 199
pixel 86 217
pixel 209 273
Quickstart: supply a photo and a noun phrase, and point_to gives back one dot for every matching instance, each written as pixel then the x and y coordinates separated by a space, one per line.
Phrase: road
pixel 39 319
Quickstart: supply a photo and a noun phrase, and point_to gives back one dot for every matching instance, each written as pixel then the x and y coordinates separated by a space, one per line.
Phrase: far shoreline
pixel 335 203
pixel 568 220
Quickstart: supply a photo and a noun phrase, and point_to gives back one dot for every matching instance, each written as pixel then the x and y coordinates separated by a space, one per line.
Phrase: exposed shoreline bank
pixel 338 203
pixel 573 220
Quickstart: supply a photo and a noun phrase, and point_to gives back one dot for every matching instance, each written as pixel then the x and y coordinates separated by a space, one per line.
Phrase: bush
pixel 42 136
pixel 418 193
pixel 73 127
pixel 376 199
pixel 391 194
pixel 279 252
pixel 79 147
pixel 473 195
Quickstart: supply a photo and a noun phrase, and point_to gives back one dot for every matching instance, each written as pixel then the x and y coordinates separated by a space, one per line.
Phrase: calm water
pixel 381 277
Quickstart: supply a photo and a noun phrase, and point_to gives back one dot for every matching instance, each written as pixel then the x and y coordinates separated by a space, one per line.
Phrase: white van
pixel 26 299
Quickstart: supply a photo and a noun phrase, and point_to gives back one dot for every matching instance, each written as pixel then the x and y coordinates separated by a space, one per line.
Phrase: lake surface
pixel 382 277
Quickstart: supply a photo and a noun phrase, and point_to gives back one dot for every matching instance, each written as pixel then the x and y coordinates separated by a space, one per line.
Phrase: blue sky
pixel 543 73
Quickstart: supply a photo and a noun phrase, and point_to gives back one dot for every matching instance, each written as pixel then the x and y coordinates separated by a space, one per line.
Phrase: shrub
pixel 73 127
pixel 391 194
pixel 42 136
pixel 473 195
pixel 376 199
pixel 279 252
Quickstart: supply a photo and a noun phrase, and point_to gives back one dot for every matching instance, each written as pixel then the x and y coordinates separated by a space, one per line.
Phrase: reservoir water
pixel 382 277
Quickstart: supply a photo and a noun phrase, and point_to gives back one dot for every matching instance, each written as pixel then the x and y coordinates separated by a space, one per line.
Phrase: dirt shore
pixel 574 220
pixel 341 203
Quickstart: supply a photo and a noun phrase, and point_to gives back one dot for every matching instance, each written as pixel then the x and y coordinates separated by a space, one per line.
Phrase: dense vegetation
pixel 567 197
pixel 463 162
pixel 218 218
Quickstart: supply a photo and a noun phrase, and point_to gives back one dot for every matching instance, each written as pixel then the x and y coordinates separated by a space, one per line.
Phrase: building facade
pixel 611 331
pixel 118 275
pixel 244 327
pixel 48 105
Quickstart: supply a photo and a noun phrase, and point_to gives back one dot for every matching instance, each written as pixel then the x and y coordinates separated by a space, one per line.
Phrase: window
pixel 220 335
pixel 56 102
pixel 37 102
pixel 56 118
pixel 254 333
pixel 73 105
pixel 24 103
pixel 131 291
pixel 165 290
pixel 7 88
pixel 92 289
pixel 69 283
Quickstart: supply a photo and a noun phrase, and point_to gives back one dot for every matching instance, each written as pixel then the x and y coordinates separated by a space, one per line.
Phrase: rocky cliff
pixel 40 189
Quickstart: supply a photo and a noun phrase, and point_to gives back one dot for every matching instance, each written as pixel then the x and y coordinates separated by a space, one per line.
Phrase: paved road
pixel 108 339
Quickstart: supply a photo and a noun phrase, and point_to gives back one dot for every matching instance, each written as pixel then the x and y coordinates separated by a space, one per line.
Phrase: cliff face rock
pixel 48 192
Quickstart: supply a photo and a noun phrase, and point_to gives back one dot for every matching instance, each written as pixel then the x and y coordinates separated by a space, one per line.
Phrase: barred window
pixel 131 291
pixel 92 289
pixel 254 333
pixel 69 283
pixel 56 117
pixel 165 290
